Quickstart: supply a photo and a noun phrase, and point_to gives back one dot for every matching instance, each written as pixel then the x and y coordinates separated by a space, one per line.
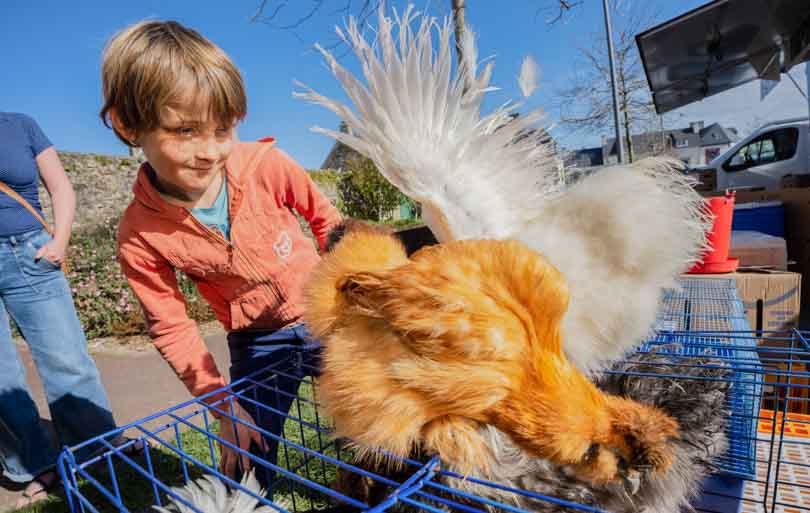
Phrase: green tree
pixel 364 193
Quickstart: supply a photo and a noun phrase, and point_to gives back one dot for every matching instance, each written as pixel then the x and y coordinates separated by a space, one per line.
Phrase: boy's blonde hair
pixel 152 65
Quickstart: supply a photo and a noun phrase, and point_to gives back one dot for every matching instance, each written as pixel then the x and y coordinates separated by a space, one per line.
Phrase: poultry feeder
pixel 716 260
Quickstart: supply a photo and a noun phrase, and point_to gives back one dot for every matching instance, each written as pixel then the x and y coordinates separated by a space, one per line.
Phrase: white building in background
pixel 695 145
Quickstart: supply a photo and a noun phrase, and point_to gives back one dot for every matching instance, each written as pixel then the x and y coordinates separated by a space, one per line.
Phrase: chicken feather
pixel 422 351
pixel 620 235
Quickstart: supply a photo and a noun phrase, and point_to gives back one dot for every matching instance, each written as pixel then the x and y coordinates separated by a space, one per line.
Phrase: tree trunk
pixel 630 154
pixel 626 111
pixel 458 7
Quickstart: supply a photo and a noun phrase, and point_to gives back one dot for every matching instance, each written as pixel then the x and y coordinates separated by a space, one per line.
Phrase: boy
pixel 216 209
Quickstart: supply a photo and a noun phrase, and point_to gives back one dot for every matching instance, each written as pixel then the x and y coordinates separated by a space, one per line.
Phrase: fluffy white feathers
pixel 619 235
pixel 529 76
pixel 420 124
pixel 209 495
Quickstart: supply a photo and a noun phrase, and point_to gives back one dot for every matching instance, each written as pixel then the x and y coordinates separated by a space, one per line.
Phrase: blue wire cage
pixel 762 471
pixel 705 317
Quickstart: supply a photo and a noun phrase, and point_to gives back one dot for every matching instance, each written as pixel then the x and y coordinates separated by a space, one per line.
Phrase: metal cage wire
pixel 765 469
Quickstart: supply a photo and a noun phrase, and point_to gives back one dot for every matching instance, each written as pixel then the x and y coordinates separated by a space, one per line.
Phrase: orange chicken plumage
pixel 421 352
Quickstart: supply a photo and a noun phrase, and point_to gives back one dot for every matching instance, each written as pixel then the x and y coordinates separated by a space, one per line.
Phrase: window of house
pixel 770 147
pixel 683 143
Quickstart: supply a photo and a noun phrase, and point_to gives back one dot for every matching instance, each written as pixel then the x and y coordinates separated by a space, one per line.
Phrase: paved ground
pixel 138 384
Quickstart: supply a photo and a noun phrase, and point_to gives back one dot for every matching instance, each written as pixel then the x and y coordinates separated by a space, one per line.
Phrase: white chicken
pixel 619 236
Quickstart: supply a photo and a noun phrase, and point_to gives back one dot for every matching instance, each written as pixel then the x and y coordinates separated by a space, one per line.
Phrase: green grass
pixel 401 224
pixel 291 494
pixel 137 491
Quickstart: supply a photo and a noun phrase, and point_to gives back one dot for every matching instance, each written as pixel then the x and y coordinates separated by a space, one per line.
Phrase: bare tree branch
pixel 274 9
pixel 585 103
pixel 559 9
pixel 258 17
pixel 269 12
pixel 346 8
pixel 289 16
pixel 307 16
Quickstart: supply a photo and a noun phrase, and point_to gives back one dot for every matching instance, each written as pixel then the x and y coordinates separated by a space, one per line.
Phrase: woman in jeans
pixel 35 294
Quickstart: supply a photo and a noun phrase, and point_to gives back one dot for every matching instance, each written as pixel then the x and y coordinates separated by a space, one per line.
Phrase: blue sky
pixel 51 53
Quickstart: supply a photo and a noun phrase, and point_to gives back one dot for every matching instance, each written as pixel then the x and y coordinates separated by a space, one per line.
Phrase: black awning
pixel 721 45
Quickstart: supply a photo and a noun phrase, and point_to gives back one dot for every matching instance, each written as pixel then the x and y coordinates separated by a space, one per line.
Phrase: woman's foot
pixel 38 489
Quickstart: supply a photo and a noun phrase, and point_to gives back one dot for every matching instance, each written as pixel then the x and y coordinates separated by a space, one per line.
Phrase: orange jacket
pixel 253 281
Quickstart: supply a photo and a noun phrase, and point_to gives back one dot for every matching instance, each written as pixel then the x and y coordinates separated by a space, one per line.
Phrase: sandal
pixel 42 486
pixel 134 448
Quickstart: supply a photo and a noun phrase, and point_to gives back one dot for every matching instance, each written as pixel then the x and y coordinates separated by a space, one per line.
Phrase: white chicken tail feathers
pixel 529 76
pixel 620 236
pixel 209 495
pixel 480 176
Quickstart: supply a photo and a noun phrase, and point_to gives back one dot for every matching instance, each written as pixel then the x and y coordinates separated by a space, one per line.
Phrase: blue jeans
pixel 287 357
pixel 36 295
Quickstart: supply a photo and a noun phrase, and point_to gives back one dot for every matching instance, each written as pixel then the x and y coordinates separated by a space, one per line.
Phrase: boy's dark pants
pixel 276 362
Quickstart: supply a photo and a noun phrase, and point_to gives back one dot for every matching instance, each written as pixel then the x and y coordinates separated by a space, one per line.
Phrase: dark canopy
pixel 721 45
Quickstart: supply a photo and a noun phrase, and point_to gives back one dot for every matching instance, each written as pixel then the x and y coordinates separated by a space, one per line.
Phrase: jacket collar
pixel 240 164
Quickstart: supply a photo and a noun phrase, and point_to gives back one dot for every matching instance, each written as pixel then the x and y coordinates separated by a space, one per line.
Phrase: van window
pixel 769 147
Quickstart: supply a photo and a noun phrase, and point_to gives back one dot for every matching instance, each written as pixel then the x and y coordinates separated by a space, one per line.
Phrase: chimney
pixel 696 126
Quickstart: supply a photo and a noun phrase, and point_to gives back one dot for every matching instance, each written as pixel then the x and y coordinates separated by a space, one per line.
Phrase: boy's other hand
pixel 231 462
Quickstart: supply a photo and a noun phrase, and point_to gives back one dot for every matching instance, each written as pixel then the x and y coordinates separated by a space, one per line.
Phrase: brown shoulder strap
pixel 19 199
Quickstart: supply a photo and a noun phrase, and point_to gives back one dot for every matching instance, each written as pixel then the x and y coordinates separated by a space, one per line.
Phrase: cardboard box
pixel 797 227
pixel 772 299
pixel 756 249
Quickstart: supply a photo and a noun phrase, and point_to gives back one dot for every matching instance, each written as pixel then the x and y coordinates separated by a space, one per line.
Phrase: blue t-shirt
pixel 21 140
pixel 216 217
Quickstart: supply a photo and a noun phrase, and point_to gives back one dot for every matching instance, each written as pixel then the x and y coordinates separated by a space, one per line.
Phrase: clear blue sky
pixel 51 52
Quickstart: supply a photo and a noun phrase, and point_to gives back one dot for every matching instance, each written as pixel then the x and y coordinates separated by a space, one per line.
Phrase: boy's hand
pixel 240 435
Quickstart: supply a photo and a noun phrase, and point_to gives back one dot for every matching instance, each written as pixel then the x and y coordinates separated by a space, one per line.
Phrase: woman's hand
pixel 53 251
pixel 240 435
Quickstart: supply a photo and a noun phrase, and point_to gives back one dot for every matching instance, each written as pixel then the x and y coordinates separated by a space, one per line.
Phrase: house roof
pixel 684 134
pixel 339 154
pixel 717 134
pixel 712 135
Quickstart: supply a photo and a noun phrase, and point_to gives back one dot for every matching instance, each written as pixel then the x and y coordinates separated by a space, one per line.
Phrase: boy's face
pixel 188 150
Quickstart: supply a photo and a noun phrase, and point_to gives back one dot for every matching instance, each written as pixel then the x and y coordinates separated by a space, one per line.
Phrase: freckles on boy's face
pixel 188 151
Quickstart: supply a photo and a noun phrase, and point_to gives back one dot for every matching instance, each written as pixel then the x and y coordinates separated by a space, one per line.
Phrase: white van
pixel 762 159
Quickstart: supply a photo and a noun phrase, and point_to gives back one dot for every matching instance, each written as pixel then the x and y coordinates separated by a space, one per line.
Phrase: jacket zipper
pixel 234 252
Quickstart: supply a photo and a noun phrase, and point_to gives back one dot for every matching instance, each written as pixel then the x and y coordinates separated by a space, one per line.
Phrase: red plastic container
pixel 717 260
